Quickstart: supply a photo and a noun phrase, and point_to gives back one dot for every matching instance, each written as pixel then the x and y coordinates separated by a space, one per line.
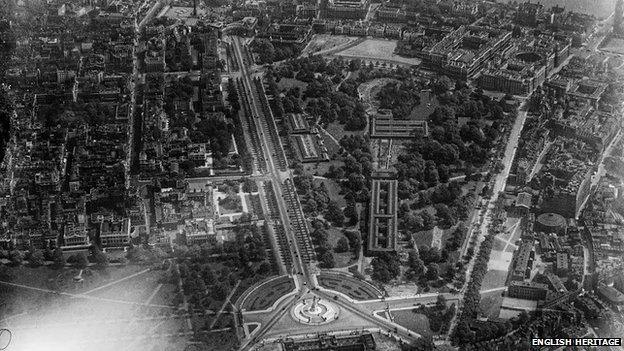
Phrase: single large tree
pixel 35 257
pixel 334 213
pixel 433 271
pixel 59 259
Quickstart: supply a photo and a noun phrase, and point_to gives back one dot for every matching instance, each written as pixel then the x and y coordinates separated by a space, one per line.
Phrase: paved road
pixel 499 185
pixel 335 49
pixel 274 172
pixel 276 177
pixel 304 276
pixel 403 303
pixel 601 171
pixel 224 178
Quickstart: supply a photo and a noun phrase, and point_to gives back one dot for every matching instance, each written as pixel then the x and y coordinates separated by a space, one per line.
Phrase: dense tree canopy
pixel 215 132
pixel 401 98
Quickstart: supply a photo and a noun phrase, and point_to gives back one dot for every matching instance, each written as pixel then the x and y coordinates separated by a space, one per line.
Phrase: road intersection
pixel 277 322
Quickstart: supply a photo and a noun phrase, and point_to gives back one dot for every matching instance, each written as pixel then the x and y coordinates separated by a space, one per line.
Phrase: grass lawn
pixel 93 315
pixel 494 279
pixel 614 45
pixel 322 42
pixel 165 295
pixel 509 234
pixel 499 244
pixel 337 131
pixel 349 285
pixel 136 289
pixel 500 260
pixel 63 279
pixel 266 295
pixel 344 259
pixel 289 83
pixel 510 248
pixel 253 204
pixel 332 145
pixel 334 235
pixel 333 190
pixel 219 341
pixel 231 204
pixel 428 103
pixel 491 303
pixel 377 49
pixel 321 168
pixel 413 321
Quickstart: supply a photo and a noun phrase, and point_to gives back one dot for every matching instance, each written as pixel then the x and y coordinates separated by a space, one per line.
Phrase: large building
pixel 389 13
pixel 75 236
pixel 464 51
pixel 382 227
pixel 345 9
pixel 384 126
pixel 529 13
pixel 588 90
pixel 513 77
pixel 523 202
pixel 523 262
pixel 610 294
pixel 555 283
pixel 523 65
pixel 115 233
pixel 309 148
pixel 550 223
pixel 287 33
pixel 527 290
pixel 324 342
pixel 568 170
pixel 297 123
pixel 581 120
pixel 562 264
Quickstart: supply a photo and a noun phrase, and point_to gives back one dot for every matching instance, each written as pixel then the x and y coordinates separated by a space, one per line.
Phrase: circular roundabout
pixel 314 311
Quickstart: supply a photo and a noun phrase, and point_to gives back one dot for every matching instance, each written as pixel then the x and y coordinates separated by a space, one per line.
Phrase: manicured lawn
pixel 494 279
pixel 333 190
pixel 321 168
pixel 415 322
pixel 95 314
pixel 343 259
pixel 348 285
pixel 63 279
pixel 498 245
pixel 491 303
pixel 321 42
pixel 428 103
pixel 265 296
pixel 136 289
pixel 230 204
pixel 377 49
pixel 337 131
pixel 289 83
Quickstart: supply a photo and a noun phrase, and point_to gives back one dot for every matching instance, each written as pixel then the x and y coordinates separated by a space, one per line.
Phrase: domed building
pixel 550 223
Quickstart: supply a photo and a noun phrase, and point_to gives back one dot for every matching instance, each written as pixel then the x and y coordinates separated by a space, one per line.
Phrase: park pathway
pixel 116 281
pixel 227 299
pixel 82 296
pixel 493 290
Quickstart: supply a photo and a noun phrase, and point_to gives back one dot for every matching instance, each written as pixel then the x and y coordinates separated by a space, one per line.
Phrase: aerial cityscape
pixel 311 175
